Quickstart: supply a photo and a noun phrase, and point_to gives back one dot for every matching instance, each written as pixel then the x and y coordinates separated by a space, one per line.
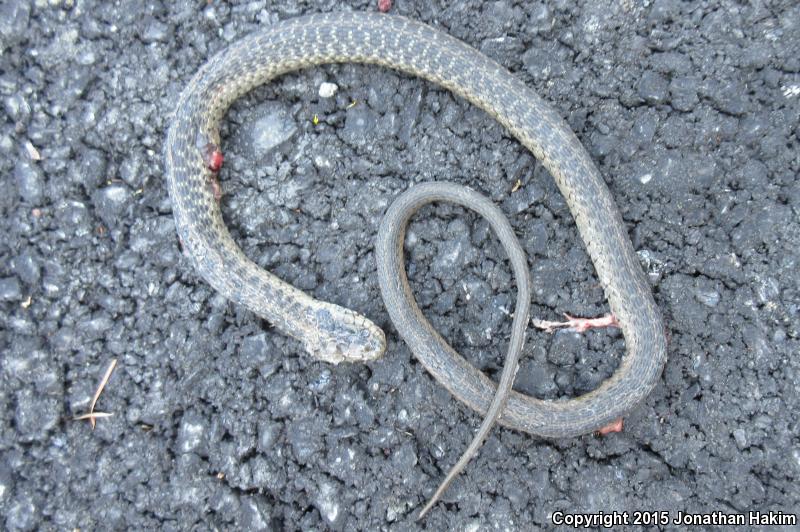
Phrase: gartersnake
pixel 333 333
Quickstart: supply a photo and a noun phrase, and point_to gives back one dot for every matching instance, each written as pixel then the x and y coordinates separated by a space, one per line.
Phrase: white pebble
pixel 326 90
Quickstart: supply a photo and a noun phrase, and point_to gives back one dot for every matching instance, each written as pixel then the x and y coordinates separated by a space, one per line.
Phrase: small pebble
pixel 30 181
pixel 360 125
pixel 192 435
pixel 328 502
pixel 22 513
pixel 709 298
pixel 9 289
pixel 36 414
pixel 110 201
pixel 272 130
pixel 326 90
pixel 652 88
pixel 740 436
pixel 156 31
pixel 15 16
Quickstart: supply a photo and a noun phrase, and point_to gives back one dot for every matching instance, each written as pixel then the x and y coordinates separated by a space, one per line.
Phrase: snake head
pixel 341 335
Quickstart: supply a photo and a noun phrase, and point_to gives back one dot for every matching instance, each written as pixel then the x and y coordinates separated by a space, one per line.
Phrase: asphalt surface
pixel 691 112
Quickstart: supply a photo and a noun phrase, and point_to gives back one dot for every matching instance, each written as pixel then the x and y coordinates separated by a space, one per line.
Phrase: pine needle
pixel 92 416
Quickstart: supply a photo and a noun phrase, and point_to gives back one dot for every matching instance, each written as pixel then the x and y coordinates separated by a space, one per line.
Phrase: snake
pixel 335 334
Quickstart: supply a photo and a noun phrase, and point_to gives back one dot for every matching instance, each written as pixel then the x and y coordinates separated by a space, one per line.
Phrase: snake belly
pixel 335 334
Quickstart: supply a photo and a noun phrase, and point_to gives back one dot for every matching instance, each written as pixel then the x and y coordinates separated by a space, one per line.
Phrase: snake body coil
pixel 333 333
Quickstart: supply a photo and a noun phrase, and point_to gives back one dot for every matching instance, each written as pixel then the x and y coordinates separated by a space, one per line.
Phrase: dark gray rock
pixel 89 169
pixel 271 130
pixel 10 289
pixel 16 16
pixel 30 181
pixel 305 437
pixel 652 88
pixel 521 200
pixel 193 435
pixel 109 203
pixel 27 267
pixel 35 415
pixel 17 107
pixel 360 125
pixel 255 515
pixel 683 92
pixel 543 63
pixel 729 98
pixel 23 513
pixel 156 31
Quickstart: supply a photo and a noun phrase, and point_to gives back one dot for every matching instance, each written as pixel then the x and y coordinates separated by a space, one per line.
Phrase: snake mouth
pixel 341 335
pixel 334 352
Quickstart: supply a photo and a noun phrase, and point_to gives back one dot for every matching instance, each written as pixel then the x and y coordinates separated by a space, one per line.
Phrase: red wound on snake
pixel 212 156
pixel 614 426
pixel 216 189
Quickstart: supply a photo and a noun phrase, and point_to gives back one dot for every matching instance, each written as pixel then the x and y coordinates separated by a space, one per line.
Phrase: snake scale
pixel 335 334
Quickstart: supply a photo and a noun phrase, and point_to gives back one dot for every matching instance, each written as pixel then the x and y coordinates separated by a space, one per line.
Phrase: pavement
pixel 690 111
